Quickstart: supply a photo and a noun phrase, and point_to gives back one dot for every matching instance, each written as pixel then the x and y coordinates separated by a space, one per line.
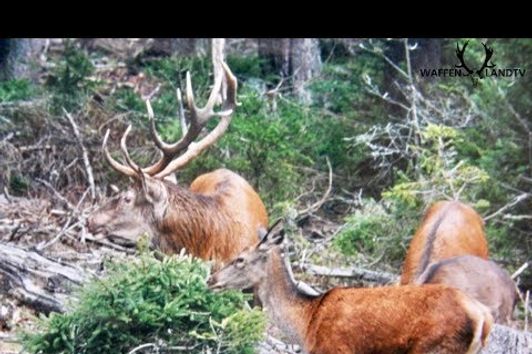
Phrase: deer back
pixel 448 229
pixel 406 319
pixel 479 278
pixel 222 220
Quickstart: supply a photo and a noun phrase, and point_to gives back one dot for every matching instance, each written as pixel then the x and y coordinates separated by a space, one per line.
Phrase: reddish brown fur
pixel 215 219
pixel 448 229
pixel 407 319
pixel 481 279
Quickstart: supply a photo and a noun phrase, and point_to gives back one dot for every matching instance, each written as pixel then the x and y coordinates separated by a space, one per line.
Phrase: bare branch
pixel 323 199
pixel 86 162
pixel 520 270
pixel 516 200
pixel 354 272
pixel 141 347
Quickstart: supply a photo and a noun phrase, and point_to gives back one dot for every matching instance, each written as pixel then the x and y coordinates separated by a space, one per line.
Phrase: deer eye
pixel 239 261
pixel 128 199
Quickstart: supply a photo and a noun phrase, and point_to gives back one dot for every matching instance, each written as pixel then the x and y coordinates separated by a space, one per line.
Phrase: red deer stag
pixel 407 319
pixel 448 229
pixel 216 218
pixel 481 279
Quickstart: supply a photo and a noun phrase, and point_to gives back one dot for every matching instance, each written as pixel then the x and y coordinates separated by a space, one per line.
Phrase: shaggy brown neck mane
pixel 191 221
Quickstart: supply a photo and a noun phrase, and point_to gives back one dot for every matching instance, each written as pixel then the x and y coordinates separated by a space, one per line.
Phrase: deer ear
pixel 155 193
pixel 262 233
pixel 271 240
pixel 277 238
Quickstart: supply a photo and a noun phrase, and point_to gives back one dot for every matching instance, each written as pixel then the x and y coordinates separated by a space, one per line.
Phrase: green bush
pixel 151 301
pixel 14 90
pixel 245 67
pixel 440 173
pixel 69 81
pixel 341 88
pixel 377 231
pixel 361 233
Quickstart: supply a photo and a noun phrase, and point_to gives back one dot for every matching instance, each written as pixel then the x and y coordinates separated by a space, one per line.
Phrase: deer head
pixel 146 202
pixel 248 269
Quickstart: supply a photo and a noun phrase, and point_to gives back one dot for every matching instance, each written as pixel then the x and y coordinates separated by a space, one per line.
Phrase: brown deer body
pixel 481 279
pixel 214 219
pixel 408 319
pixel 448 229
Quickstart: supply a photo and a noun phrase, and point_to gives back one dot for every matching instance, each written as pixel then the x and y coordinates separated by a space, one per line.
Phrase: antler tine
pixel 225 118
pixel 182 118
pixel 128 171
pixel 153 130
pixel 198 118
pixel 123 147
pixel 168 150
pixel 232 87
pixel 202 115
pixel 191 102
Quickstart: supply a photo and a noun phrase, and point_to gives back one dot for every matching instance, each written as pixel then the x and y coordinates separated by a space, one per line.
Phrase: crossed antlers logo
pixel 488 53
pixel 466 69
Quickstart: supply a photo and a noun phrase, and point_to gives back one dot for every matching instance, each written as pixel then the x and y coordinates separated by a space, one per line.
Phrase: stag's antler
pixel 488 54
pixel 198 118
pixel 460 55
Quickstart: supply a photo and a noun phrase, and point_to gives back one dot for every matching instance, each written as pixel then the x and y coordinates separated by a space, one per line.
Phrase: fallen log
pixel 355 273
pixel 506 340
pixel 37 281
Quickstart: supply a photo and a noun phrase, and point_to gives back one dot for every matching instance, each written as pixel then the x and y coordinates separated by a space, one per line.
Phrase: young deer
pixel 481 279
pixel 407 319
pixel 216 218
pixel 448 229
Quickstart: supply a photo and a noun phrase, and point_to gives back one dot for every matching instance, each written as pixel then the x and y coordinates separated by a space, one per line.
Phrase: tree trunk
pixel 127 48
pixel 178 46
pixel 275 53
pixel 16 56
pixel 218 56
pixel 298 59
pixel 305 65
pixel 428 54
